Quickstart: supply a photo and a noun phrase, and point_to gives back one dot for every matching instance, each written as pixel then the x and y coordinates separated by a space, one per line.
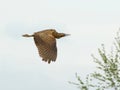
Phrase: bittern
pixel 46 43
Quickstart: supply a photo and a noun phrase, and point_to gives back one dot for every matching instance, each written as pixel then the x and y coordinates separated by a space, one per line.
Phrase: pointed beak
pixel 67 34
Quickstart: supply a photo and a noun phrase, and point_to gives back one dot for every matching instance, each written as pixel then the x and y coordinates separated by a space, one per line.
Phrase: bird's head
pixel 59 35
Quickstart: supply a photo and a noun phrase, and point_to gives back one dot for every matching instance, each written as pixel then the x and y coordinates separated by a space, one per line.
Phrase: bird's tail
pixel 26 35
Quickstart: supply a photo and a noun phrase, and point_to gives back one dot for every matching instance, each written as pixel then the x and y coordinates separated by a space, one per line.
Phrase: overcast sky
pixel 90 23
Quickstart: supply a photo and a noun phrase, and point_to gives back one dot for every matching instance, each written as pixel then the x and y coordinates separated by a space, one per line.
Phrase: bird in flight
pixel 46 43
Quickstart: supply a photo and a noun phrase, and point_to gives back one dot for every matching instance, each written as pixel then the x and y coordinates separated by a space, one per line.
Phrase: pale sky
pixel 90 23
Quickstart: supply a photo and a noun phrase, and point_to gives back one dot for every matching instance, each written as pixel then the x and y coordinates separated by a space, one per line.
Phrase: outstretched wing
pixel 46 45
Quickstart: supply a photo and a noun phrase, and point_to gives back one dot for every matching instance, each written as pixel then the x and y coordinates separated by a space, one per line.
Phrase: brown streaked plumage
pixel 46 43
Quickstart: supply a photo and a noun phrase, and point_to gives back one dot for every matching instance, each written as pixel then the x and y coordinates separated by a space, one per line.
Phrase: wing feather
pixel 46 45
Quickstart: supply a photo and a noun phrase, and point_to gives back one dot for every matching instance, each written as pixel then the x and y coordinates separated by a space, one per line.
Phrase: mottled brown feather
pixel 46 44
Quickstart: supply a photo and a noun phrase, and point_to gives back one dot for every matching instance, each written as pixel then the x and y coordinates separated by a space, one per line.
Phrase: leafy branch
pixel 107 75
